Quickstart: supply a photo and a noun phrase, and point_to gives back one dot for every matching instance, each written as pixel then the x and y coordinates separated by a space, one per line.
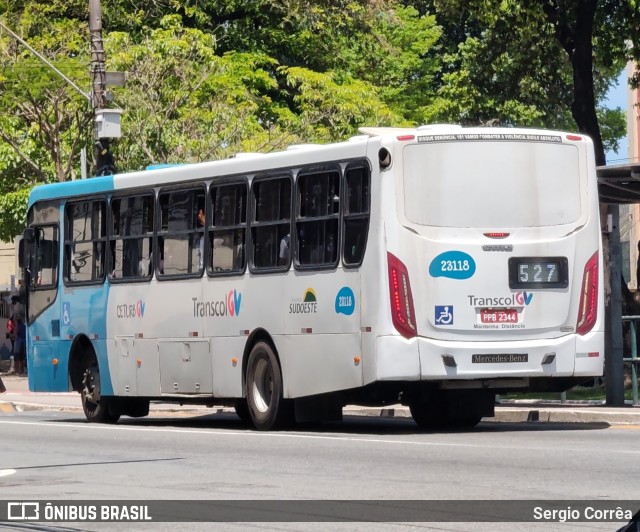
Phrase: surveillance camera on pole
pixel 107 121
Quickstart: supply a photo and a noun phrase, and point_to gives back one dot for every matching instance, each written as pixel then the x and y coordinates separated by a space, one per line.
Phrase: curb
pixel 507 410
pixel 503 414
pixel 17 406
pixel 546 415
pixel 515 414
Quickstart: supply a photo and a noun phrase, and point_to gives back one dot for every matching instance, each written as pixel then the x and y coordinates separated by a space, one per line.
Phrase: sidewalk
pixel 19 398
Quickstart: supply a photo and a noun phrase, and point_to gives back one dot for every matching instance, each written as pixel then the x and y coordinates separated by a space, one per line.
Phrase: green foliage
pixel 613 126
pixel 43 120
pixel 495 69
pixel 532 62
pixel 331 107
pixel 184 102
pixel 13 214
pixel 209 78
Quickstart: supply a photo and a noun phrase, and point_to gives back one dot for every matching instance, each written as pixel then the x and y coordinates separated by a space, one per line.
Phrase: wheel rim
pixel 262 386
pixel 91 386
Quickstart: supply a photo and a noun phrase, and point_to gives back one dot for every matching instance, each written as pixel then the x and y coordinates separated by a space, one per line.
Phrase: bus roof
pixel 162 175
pixel 295 156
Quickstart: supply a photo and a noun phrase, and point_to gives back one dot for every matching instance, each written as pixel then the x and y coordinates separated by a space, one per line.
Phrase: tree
pixel 382 43
pixel 213 77
pixel 535 62
pixel 284 73
pixel 185 103
pixel 43 122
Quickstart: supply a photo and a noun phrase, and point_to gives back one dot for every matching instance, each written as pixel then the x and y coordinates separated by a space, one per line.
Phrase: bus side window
pixel 228 229
pixel 181 233
pixel 130 239
pixel 317 218
pixel 356 215
pixel 271 223
pixel 85 240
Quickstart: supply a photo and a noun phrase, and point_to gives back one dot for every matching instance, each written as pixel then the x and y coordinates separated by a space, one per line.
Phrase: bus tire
pixel 264 391
pixel 242 410
pixel 97 408
pixel 465 420
pixel 132 406
pixel 466 408
pixel 429 412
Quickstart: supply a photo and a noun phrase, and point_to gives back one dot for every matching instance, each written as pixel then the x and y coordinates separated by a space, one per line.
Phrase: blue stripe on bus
pixel 86 307
pixel 82 312
pixel 71 188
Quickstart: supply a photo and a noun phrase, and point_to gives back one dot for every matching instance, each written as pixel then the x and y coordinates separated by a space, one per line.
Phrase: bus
pixel 432 267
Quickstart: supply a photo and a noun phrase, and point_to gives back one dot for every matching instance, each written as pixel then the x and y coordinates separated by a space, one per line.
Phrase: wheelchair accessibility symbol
pixel 66 313
pixel 444 314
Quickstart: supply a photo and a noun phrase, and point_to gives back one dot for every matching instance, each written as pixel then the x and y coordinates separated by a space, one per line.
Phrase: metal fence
pixel 633 359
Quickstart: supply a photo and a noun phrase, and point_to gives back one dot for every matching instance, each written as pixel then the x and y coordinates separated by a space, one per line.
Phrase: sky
pixel 617 97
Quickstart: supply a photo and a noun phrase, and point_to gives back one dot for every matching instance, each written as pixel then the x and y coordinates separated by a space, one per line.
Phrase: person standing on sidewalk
pixel 20 347
pixel 11 331
pixel 17 314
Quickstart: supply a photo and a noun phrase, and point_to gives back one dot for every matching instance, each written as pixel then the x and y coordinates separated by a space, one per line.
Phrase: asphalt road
pixel 59 456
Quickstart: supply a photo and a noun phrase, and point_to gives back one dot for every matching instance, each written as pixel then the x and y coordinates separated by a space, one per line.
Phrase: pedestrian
pixel 12 327
pixel 20 347
pixel 11 331
pixel 18 309
pixel 2 386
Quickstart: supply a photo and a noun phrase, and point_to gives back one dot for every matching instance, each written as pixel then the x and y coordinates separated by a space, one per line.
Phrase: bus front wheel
pixel 264 391
pixel 96 407
pixel 242 410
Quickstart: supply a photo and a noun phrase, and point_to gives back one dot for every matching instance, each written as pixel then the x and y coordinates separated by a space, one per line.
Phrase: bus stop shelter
pixel 617 184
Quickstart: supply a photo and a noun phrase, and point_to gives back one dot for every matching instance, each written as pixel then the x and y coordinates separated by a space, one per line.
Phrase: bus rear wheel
pixel 96 407
pixel 451 409
pixel 464 420
pixel 264 391
pixel 429 412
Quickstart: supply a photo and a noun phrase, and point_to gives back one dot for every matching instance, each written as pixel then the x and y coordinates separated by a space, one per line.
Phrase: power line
pixel 45 61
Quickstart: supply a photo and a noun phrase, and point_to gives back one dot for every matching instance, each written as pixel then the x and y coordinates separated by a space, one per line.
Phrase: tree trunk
pixel 574 30
pixel 583 107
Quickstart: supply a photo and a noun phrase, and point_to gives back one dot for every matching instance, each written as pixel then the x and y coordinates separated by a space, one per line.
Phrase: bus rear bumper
pixel 398 358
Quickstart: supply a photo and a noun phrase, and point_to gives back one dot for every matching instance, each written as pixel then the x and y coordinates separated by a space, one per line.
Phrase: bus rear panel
pixel 494 261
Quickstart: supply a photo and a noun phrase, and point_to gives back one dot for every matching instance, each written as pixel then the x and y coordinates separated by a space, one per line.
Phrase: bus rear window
pixel 491 184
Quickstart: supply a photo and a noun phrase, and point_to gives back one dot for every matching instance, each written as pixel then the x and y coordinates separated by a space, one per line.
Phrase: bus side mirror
pixel 24 246
pixel 22 259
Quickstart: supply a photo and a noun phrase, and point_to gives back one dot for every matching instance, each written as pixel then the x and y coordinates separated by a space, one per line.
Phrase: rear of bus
pixel 494 263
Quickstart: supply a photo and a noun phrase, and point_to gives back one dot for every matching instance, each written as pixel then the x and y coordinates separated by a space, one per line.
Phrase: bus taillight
pixel 588 311
pixel 402 313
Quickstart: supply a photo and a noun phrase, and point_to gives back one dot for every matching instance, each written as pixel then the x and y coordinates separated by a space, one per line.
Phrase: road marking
pixel 632 427
pixel 257 434
pixel 7 472
pixel 7 408
pixel 338 438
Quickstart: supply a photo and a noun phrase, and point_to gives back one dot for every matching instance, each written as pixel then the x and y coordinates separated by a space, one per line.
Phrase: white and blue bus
pixel 433 267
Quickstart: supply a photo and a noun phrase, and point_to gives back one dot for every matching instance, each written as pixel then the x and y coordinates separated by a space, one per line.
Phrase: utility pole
pixel 614 365
pixel 104 158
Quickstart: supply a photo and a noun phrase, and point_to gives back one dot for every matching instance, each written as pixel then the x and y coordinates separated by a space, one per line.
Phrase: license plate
pixel 499 315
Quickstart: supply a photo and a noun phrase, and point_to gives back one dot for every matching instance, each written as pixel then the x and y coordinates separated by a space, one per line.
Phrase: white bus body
pixel 480 272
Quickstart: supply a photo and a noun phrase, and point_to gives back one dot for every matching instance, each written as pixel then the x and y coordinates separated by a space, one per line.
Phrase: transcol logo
pixel 133 310
pixel 229 306
pixel 519 299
